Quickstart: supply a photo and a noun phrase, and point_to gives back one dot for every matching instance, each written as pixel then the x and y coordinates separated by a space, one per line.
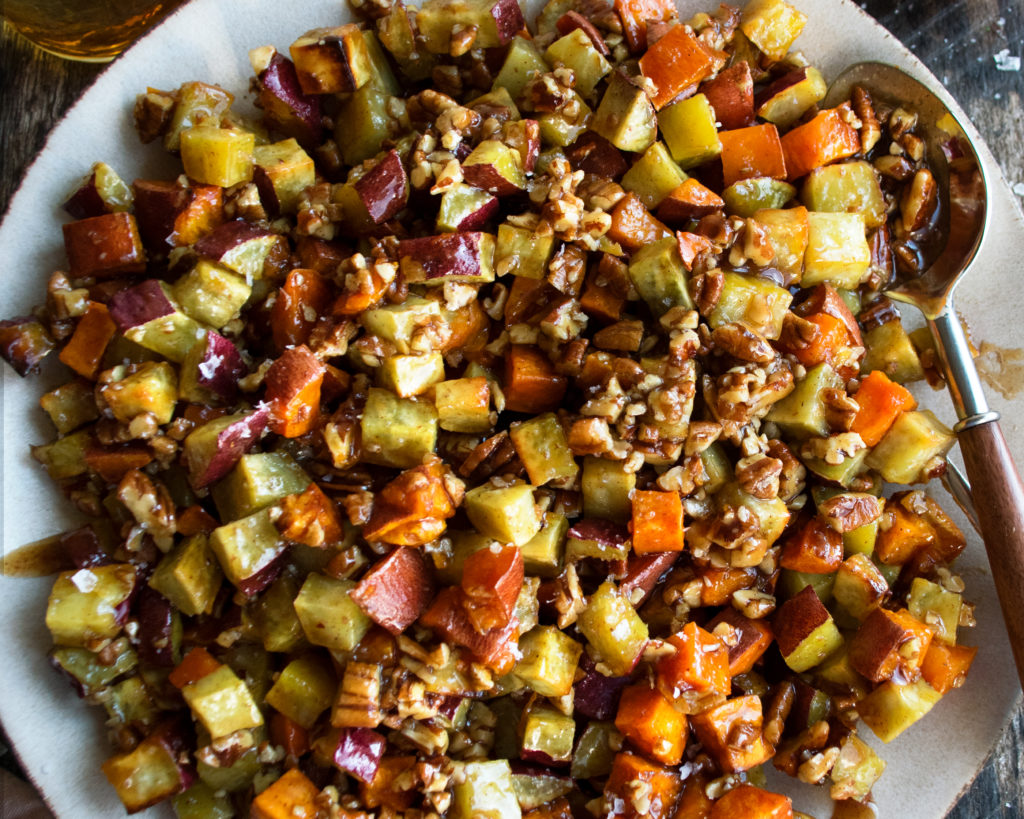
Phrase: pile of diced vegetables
pixel 498 426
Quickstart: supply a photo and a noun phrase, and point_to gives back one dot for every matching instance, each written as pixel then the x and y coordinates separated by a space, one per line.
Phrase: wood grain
pixel 957 39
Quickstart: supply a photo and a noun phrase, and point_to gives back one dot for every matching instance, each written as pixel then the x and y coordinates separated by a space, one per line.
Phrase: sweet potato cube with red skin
pixel 749 802
pixel 632 226
pixel 293 392
pixel 288 734
pixel 491 581
pixel 676 63
pixel 643 573
pixel 592 153
pixel 396 590
pixel 718 727
pixel 104 246
pixel 751 152
pixel 719 583
pixel 825 139
pixel 880 401
pixel 412 509
pixel 657 522
pixel 887 642
pixel 294 794
pixel 797 618
pixel 382 791
pixel 731 95
pixel 750 639
pixel 310 518
pixel 384 189
pixel 300 301
pixel 700 663
pixel 84 350
pixel 173 215
pixel 628 769
pixel 635 16
pixel 816 548
pixel 572 20
pixel 652 724
pixel 531 382
pixel 691 200
pixel 945 667
pixel 111 463
pixel 692 245
pixel 901 534
pixel 285 106
pixel 447 617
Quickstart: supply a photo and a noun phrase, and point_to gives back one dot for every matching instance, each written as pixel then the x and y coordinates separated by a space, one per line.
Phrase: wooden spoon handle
pixel 999 501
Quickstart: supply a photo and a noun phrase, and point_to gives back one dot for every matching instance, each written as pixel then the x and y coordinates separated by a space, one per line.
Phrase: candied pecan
pixel 741 342
pixel 150 504
pixel 919 201
pixel 870 130
pixel 462 39
pixel 791 479
pixel 496 454
pixel 790 753
pixel 701 435
pixel 840 409
pixel 815 769
pixel 707 290
pixel 758 475
pixel 798 333
pixel 846 512
pixel 777 711
pixel 834 449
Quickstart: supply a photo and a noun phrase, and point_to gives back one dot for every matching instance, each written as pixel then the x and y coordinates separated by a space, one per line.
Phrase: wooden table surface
pixel 970 45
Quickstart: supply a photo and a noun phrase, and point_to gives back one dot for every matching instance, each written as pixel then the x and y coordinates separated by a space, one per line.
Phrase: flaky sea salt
pixel 1005 61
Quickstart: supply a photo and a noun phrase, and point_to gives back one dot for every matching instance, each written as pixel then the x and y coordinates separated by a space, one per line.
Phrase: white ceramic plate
pixel 61 742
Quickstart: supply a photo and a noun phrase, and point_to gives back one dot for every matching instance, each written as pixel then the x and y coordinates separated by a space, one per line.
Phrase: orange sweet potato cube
pixel 173 215
pixel 396 590
pixel 652 723
pixel 294 794
pixel 635 16
pixel 816 547
pixel 945 667
pixel 112 462
pixel 447 617
pixel 293 391
pixel 382 792
pixel 657 522
pixel 466 325
pixel 629 769
pixel 104 246
pixel 749 802
pixel 826 138
pixel 718 584
pixel 491 580
pixel 531 383
pixel 691 245
pixel 749 639
pixel 676 63
pixel 700 663
pixel 750 152
pixel 690 200
pixel 84 350
pixel 718 727
pixel 832 337
pixel 300 301
pixel 905 534
pixel 310 518
pixel 694 802
pixel 881 401
pixel 887 642
pixel 193 666
pixel 632 224
pixel 412 509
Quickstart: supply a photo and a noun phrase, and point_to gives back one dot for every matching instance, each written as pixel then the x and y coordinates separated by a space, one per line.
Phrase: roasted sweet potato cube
pixel 556 809
pixel 84 350
pixel 657 522
pixel 629 770
pixel 746 639
pixel 945 667
pixel 718 727
pixel 637 14
pixel 170 214
pixel 731 94
pixel 805 631
pixel 816 548
pixel 384 790
pixel 112 462
pixel 901 534
pixel 749 802
pixel 412 509
pixel 826 138
pixel 491 581
pixel 676 63
pixel 632 224
pixel 104 246
pixel 691 200
pixel 447 617
pixel 300 301
pixel 293 391
pixel 396 590
pixel 700 665
pixel 859 586
pixel 751 152
pixel 332 60
pixel 887 642
pixel 531 382
pixel 310 518
pixel 24 342
pixel 718 584
pixel 694 802
pixel 651 723
pixel 294 794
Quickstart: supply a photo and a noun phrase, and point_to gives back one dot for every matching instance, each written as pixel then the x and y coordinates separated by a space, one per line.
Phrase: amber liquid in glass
pixel 91 30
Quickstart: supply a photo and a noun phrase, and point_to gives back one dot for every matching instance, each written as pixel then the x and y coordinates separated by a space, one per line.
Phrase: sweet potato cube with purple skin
pixel 448 257
pixel 491 580
pixel 384 189
pixel 396 590
pixel 717 728
pixel 240 246
pixel 888 642
pixel 731 94
pixel 494 167
pixel 572 20
pixel 104 246
pixel 691 200
pixel 173 215
pixel 523 135
pixel 592 153
pixel 805 631
pixel 101 191
pixel 285 106
pixel 24 342
pixel 210 371
pixel 786 99
pixel 359 752
pixel 332 60
pixel 212 450
pixel 293 391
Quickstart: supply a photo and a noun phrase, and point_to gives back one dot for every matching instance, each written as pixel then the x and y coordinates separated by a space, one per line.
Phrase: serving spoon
pixel 996 487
